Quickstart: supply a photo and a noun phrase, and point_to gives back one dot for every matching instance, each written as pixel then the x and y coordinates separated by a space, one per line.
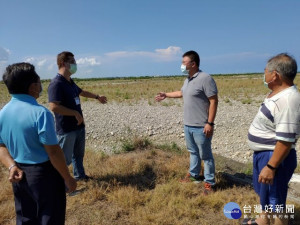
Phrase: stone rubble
pixel 108 125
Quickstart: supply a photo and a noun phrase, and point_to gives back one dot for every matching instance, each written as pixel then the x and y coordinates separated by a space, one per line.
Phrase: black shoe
pixel 85 178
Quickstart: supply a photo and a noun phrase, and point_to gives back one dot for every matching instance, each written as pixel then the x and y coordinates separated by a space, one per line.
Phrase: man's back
pixel 24 127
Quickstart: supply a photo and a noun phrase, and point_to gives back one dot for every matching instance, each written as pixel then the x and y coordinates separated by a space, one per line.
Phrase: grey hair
pixel 284 64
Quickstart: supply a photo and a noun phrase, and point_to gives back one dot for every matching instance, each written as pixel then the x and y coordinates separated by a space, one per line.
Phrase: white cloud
pixel 168 54
pixel 171 50
pixel 89 64
pixel 41 62
pixel 45 65
pixel 30 60
pixel 92 61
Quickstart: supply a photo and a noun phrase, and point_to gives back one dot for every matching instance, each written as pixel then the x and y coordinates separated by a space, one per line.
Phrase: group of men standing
pixel 37 155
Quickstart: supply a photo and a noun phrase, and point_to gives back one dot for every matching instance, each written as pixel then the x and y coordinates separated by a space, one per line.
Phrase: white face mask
pixel 184 70
pixel 266 84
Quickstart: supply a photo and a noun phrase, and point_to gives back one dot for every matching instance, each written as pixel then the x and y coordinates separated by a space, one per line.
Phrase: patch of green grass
pixel 126 96
pixel 247 101
pixel 248 169
pixel 227 100
pixel 172 147
pixel 136 143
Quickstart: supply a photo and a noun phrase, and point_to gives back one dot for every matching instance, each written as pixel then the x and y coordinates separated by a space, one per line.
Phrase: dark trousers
pixel 40 196
pixel 276 193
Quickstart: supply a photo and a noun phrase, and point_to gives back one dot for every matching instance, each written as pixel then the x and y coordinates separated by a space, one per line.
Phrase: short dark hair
pixel 284 64
pixel 19 76
pixel 193 56
pixel 63 57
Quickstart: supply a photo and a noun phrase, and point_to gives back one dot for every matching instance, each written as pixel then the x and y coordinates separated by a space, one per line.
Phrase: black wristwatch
pixel 210 123
pixel 271 167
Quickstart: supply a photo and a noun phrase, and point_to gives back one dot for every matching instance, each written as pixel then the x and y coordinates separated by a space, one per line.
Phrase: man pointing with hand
pixel 199 93
pixel 64 101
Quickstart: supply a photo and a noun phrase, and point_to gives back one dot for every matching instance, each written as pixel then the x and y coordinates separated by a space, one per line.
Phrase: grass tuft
pixel 135 143
pixel 173 147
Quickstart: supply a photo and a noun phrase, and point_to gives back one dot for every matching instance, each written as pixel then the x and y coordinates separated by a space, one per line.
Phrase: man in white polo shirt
pixel 273 135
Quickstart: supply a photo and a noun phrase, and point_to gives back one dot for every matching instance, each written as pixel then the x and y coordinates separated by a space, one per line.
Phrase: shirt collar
pixel 61 77
pixel 194 76
pixel 24 97
pixel 283 92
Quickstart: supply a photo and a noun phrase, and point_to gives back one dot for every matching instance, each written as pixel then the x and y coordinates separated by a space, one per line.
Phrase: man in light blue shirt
pixel 30 150
pixel 35 120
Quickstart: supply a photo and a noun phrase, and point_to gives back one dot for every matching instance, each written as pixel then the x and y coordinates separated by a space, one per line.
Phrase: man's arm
pixel 88 94
pixel 57 159
pixel 15 173
pixel 212 111
pixel 62 110
pixel 162 95
pixel 282 149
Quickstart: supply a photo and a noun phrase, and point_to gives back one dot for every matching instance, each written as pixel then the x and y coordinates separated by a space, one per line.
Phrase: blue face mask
pixel 73 68
pixel 184 70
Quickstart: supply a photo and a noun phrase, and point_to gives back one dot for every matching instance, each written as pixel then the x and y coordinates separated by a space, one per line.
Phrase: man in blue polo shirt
pixel 64 101
pixel 200 102
pixel 30 150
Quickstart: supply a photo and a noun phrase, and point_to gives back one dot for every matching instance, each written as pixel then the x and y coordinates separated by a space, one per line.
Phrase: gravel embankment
pixel 107 125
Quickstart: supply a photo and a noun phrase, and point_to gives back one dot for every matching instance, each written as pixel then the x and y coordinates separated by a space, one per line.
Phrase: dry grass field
pixel 140 185
pixel 243 88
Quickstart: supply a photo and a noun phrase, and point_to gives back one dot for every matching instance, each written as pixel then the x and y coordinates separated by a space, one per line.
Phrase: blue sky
pixel 147 38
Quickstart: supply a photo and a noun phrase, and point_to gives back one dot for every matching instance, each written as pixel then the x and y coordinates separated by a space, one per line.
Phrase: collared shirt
pixel 25 127
pixel 196 91
pixel 278 118
pixel 67 94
